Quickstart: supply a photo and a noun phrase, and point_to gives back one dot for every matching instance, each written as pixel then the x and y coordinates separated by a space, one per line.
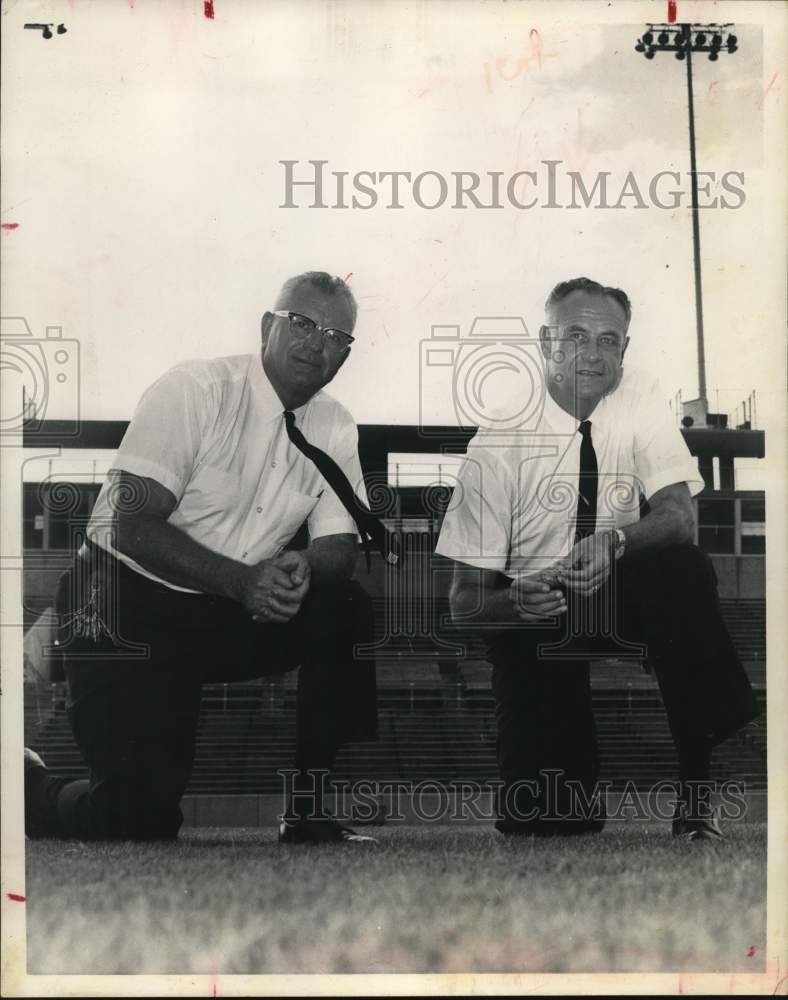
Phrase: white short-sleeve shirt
pixel 515 503
pixel 213 433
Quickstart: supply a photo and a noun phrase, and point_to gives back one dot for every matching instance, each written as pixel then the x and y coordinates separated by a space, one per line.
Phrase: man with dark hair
pixel 186 576
pixel 555 563
pixel 565 288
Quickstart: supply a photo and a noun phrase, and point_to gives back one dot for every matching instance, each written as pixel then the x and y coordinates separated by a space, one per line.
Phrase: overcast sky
pixel 141 153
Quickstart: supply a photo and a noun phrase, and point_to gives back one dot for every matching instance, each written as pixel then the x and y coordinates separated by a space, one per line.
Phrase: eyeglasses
pixel 303 327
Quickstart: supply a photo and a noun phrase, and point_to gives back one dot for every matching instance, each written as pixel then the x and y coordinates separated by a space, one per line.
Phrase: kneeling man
pixel 186 577
pixel 557 566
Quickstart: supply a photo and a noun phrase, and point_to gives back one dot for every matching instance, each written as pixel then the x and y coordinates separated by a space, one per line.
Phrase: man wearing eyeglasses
pixel 190 574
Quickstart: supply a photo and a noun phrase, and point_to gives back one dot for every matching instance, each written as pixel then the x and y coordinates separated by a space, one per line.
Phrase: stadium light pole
pixel 685 40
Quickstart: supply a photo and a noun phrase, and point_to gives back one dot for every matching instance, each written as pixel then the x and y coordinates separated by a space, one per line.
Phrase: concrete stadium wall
pixel 741 576
pixel 40 583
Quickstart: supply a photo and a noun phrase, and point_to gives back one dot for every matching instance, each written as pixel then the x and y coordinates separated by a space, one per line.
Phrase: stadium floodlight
pixel 685 40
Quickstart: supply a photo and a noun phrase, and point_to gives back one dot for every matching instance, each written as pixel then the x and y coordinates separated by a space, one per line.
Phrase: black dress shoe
pixel 319 831
pixel 696 828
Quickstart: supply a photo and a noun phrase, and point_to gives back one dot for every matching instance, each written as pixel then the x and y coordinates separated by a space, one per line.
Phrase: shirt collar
pixel 564 423
pixel 559 420
pixel 268 402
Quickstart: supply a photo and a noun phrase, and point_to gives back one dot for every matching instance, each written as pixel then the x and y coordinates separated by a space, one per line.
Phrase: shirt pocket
pixel 212 492
pixel 296 508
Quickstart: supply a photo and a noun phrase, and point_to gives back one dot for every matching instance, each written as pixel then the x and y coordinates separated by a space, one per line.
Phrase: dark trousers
pixel 134 695
pixel 662 605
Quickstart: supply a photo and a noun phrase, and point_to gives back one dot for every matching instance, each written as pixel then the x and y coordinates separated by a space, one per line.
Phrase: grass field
pixel 426 899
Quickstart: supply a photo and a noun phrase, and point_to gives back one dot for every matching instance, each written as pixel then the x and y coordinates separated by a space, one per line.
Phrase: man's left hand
pixel 588 565
pixel 297 565
pixel 285 602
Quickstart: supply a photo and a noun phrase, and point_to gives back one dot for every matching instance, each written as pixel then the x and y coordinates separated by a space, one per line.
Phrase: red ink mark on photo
pixel 9 225
pixel 751 950
pixel 521 66
pixel 525 63
pixel 348 276
pixel 16 897
pixel 536 45
pixel 208 9
pixel 769 87
pixel 672 14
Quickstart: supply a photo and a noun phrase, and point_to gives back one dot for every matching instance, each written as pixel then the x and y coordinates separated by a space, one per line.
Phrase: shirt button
pixel 273 465
pixel 259 510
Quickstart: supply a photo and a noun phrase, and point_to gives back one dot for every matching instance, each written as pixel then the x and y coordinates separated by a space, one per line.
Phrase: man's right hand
pixel 534 600
pixel 272 590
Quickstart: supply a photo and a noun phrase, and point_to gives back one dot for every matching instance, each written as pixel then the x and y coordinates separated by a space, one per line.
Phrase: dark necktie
pixel 369 526
pixel 585 523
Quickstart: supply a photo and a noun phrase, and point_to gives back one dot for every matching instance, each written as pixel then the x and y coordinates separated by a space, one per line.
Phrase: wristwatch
pixel 619 542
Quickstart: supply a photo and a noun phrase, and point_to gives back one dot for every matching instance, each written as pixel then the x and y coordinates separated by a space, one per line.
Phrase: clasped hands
pixel 583 571
pixel 272 590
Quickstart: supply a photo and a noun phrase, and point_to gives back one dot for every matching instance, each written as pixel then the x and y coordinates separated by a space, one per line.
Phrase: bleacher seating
pixel 746 622
pixel 244 739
